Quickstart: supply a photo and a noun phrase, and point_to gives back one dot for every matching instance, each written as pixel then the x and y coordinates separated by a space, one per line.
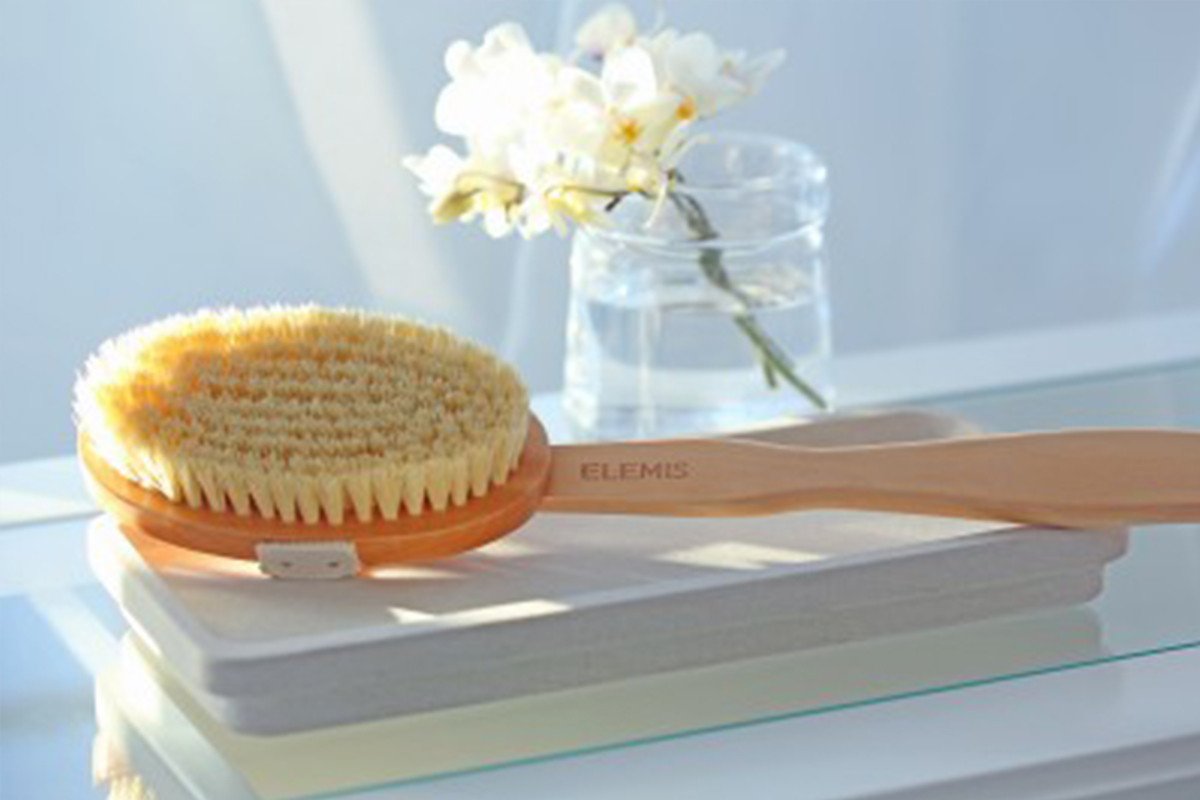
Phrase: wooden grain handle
pixel 1077 479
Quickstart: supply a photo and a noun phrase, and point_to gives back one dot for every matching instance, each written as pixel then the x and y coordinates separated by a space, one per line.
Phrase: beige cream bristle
pixel 303 414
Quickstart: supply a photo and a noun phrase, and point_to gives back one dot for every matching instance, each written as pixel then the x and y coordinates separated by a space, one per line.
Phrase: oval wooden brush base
pixel 429 536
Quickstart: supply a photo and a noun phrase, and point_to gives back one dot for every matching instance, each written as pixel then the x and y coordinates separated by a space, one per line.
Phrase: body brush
pixel 229 432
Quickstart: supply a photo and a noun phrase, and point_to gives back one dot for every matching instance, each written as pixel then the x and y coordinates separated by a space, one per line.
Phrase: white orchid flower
pixel 462 188
pixel 752 72
pixel 611 27
pixel 548 142
pixel 495 88
pixel 617 122
pixel 708 78
pixel 437 170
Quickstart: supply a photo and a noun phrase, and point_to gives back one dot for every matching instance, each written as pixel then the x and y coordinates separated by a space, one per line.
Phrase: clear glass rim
pixel 791 179
pixel 796 152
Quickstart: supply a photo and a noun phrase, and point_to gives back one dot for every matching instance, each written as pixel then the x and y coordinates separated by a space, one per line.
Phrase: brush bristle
pixel 303 413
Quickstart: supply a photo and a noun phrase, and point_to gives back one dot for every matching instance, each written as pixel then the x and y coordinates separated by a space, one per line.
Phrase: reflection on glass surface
pixel 137 699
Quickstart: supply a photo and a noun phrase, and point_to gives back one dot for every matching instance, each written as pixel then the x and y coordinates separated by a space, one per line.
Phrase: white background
pixel 996 166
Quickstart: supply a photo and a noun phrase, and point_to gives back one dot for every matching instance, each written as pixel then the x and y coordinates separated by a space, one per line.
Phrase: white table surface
pixel 1123 729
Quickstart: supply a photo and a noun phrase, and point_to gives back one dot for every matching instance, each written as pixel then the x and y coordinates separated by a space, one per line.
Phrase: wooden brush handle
pixel 1075 479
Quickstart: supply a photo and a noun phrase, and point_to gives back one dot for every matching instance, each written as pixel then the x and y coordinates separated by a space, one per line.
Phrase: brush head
pixel 303 414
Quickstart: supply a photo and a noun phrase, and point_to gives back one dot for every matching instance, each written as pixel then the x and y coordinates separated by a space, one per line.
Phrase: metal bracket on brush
pixel 308 560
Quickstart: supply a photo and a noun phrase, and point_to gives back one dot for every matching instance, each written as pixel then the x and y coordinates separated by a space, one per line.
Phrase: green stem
pixel 774 360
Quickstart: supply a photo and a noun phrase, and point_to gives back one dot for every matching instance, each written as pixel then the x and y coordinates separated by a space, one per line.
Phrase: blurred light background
pixel 996 166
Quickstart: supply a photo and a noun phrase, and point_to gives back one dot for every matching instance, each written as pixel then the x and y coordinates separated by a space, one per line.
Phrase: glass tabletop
pixel 84 714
